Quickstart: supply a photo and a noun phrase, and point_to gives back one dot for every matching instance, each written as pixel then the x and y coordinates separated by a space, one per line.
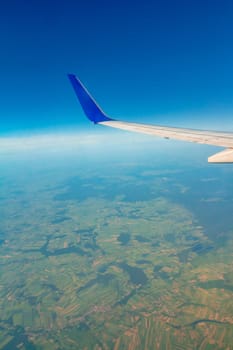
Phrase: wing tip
pixel 90 107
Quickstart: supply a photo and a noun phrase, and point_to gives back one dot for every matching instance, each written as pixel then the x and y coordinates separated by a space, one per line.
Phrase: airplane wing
pixel 95 114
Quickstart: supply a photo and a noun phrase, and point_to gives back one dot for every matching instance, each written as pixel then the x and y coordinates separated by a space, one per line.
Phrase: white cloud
pixel 47 142
pixel 85 144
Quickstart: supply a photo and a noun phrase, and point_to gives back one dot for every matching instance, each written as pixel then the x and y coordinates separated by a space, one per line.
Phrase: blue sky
pixel 160 61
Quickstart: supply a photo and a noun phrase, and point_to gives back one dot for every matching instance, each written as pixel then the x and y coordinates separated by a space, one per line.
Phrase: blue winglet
pixel 89 106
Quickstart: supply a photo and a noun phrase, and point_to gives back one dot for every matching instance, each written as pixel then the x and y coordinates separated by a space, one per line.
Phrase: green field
pixel 115 262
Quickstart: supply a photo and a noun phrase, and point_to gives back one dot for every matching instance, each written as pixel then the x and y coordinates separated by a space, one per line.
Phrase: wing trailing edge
pixel 95 114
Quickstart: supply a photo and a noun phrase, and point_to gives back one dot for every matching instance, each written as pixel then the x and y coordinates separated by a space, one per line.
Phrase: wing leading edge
pixel 95 114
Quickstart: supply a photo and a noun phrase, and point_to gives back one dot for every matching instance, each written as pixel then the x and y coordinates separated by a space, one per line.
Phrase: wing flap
pixel 225 156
